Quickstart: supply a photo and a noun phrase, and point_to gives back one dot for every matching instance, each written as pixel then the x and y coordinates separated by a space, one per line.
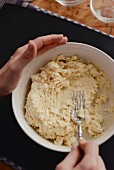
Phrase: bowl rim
pixel 66 148
pixel 103 19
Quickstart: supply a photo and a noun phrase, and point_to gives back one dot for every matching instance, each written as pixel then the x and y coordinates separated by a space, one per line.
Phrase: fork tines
pixel 78 100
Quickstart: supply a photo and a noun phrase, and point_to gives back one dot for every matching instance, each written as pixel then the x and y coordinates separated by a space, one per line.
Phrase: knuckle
pixel 39 39
pixel 93 167
pixel 92 144
pixel 93 164
pixel 90 165
pixel 99 157
pixel 59 167
pixel 18 51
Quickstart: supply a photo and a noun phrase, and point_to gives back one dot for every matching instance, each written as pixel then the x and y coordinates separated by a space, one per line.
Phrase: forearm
pixel 9 76
pixel 12 70
pixel 3 88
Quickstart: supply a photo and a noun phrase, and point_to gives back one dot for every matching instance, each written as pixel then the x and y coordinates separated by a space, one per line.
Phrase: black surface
pixel 17 26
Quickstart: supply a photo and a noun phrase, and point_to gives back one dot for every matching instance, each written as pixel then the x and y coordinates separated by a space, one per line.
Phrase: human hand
pixel 90 161
pixel 11 72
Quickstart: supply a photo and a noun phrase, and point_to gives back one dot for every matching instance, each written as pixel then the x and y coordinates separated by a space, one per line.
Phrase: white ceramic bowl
pixel 86 52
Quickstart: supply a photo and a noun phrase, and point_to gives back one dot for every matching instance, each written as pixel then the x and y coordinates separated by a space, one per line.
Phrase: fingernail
pixel 61 34
pixel 82 141
pixel 66 38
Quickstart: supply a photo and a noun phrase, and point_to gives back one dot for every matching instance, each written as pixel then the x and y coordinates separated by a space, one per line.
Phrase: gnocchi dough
pixel 49 104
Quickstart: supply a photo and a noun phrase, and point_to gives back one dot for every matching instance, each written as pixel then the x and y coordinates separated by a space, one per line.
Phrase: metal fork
pixel 78 100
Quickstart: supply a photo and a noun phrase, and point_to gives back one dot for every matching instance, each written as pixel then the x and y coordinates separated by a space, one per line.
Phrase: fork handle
pixel 80 131
pixel 80 138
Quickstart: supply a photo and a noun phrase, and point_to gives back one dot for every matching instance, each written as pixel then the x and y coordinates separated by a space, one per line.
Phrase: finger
pixel 89 148
pixel 87 163
pixel 90 163
pixel 31 50
pixel 50 46
pixel 42 41
pixel 71 159
pixel 29 53
pixel 63 41
pixel 101 164
pixel 26 50
pixel 22 59
pixel 45 40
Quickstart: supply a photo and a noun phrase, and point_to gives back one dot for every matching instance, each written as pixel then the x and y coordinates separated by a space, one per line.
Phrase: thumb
pixel 70 160
pixel 30 51
pixel 27 56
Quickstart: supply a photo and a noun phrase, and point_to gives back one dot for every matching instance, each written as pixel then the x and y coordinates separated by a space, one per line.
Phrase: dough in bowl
pixel 49 104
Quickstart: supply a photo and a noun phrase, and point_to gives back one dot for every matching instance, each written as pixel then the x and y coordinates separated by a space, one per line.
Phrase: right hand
pixel 90 161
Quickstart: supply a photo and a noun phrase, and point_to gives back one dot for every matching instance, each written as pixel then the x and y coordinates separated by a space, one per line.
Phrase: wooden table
pixel 80 13
pixel 3 166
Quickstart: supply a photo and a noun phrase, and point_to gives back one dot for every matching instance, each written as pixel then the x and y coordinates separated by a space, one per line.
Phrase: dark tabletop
pixel 17 26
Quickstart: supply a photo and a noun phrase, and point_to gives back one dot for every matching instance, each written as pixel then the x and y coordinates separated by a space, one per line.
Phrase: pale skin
pixel 9 78
pixel 90 161
pixel 12 70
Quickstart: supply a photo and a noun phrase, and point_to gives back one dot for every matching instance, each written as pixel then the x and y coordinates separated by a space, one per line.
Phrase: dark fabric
pixel 17 26
pixel 17 2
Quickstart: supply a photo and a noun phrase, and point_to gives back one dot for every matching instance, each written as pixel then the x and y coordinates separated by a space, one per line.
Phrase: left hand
pixel 11 72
